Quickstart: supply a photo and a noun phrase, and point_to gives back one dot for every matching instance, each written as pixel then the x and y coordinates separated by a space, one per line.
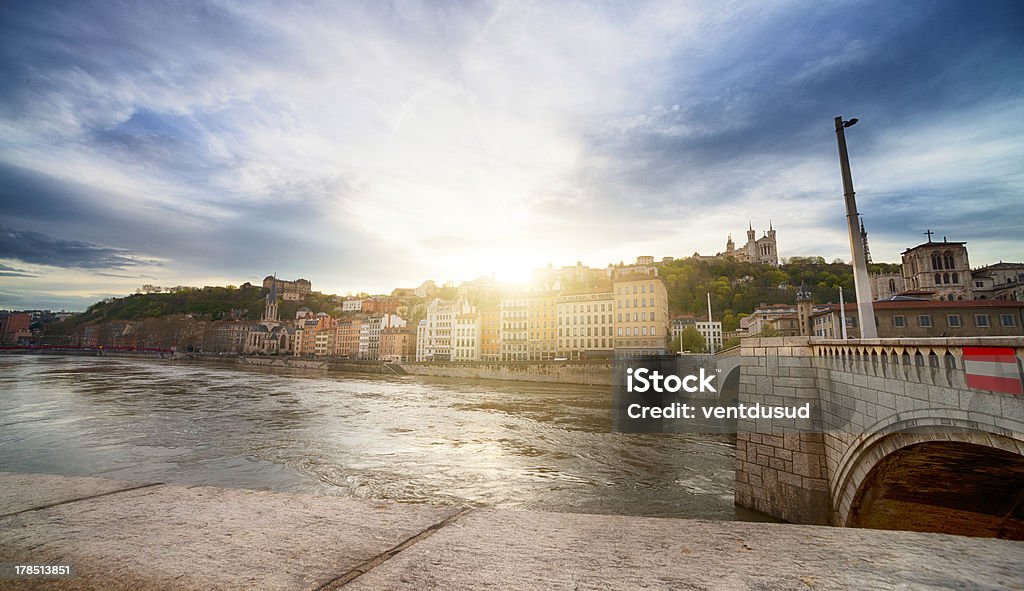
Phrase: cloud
pixel 366 146
pixel 9 271
pixel 41 249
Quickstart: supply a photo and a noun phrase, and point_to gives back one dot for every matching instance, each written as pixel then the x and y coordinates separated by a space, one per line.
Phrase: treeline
pixel 737 288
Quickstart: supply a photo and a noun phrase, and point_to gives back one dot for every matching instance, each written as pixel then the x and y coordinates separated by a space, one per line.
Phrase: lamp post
pixel 860 268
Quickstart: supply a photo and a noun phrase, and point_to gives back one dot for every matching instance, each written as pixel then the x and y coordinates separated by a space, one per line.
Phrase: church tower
pixel 804 309
pixel 730 246
pixel 864 240
pixel 270 311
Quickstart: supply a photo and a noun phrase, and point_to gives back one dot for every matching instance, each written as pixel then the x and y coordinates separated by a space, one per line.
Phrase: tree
pixel 768 330
pixel 733 342
pixel 691 340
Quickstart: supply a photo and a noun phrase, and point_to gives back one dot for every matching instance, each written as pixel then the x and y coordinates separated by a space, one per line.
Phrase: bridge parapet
pixel 901 357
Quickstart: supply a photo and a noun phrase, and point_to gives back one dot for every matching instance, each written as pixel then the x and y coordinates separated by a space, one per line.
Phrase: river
pixel 514 445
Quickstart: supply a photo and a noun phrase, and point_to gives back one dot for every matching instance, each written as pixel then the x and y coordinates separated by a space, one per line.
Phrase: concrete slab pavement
pixel 120 536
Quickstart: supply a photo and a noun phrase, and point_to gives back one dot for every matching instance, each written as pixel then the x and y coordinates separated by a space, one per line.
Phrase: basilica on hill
pixel 762 251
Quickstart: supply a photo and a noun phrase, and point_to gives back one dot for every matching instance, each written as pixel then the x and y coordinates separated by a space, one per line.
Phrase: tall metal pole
pixel 860 268
pixel 711 327
pixel 842 313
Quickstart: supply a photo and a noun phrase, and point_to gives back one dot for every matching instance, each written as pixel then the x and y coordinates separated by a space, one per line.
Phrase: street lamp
pixel 865 311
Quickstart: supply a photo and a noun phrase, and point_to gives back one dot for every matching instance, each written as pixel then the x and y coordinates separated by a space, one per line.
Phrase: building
pixel 434 334
pixel 305 335
pixel 225 336
pixel 380 305
pixel 542 320
pixel 644 265
pixel 14 326
pixel 397 344
pixel 641 315
pixel 939 268
pixel 681 323
pixel 1001 281
pixel 289 290
pixel 913 318
pixel 712 333
pixel 466 336
pixel 762 251
pixel 490 332
pixel 270 337
pixel 782 319
pixel 586 324
pixel 370 331
pixel 352 305
pixel 886 285
pixel 515 328
pixel 578 276
pixel 347 338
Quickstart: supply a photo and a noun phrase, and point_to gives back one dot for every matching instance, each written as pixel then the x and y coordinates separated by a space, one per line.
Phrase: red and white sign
pixel 993 368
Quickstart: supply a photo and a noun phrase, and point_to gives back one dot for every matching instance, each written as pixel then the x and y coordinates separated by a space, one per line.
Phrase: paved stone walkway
pixel 130 535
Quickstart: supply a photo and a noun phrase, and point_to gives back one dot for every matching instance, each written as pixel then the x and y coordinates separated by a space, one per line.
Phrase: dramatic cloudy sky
pixel 368 145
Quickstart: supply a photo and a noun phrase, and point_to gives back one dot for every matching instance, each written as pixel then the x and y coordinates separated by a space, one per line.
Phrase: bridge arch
pixel 951 473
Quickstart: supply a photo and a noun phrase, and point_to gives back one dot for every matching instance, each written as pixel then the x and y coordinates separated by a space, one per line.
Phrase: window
pixel 981 320
pixel 620 331
pixel 892 286
pixel 899 321
pixel 645 331
pixel 1007 320
pixel 956 278
pixel 924 321
pixel 653 331
pixel 938 278
pixel 947 258
pixel 979 284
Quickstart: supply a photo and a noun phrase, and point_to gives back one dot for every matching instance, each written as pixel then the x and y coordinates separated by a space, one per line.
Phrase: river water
pixel 516 445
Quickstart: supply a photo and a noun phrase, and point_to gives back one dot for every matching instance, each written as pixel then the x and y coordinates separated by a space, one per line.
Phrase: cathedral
pixel 270 336
pixel 763 250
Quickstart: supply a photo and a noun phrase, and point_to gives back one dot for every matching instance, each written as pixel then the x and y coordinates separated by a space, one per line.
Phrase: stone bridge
pixel 899 439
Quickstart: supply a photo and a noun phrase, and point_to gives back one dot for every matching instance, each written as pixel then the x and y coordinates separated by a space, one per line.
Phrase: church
pixel 762 251
pixel 270 336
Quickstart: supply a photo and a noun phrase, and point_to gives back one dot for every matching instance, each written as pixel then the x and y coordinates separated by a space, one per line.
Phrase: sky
pixel 372 145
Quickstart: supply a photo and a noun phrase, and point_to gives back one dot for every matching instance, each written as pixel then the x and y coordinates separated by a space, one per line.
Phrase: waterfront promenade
pixel 137 535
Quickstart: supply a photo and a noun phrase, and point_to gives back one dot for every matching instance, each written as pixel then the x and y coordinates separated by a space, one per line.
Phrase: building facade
pixel 397 344
pixel 641 315
pixel 586 324
pixel 434 334
pixel 515 328
pixel 940 268
pixel 927 318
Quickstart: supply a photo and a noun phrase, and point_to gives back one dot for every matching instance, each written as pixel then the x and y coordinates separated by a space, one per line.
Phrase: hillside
pixel 737 288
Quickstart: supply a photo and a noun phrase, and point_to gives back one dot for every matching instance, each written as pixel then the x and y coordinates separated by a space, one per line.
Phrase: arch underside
pixel 955 487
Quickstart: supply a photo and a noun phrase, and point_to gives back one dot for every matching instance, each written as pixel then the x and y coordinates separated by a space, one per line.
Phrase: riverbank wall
pixel 597 373
pixel 147 536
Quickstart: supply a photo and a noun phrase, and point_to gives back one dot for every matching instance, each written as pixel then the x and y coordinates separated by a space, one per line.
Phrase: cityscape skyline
pixel 375 147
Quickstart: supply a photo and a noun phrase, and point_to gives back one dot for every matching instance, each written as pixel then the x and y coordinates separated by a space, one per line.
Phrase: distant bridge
pixel 900 440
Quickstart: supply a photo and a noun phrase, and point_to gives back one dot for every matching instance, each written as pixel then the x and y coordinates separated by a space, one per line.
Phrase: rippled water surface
pixel 505 444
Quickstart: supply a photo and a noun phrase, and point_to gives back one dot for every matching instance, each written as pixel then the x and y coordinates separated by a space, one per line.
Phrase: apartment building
pixel 586 324
pixel 641 315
